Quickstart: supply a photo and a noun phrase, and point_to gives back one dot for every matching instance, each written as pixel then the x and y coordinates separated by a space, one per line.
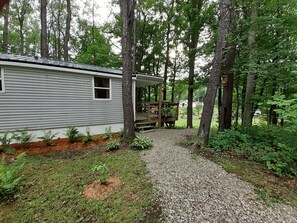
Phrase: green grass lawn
pixel 52 189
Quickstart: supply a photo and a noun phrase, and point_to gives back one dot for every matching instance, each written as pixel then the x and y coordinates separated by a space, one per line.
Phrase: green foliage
pixel 272 146
pixel 108 134
pixel 88 137
pixel 23 137
pixel 72 134
pixel 228 139
pixel 140 143
pixel 10 176
pixel 112 145
pixel 283 161
pixel 285 108
pixel 48 137
pixel 103 172
pixel 168 111
pixel 5 140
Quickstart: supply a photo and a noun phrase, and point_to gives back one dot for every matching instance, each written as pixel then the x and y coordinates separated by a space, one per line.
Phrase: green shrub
pixel 72 134
pixel 108 134
pixel 87 137
pixel 48 137
pixel 229 139
pixel 140 143
pixel 283 161
pixel 10 176
pixel 274 147
pixel 103 172
pixel 112 145
pixel 5 140
pixel 23 137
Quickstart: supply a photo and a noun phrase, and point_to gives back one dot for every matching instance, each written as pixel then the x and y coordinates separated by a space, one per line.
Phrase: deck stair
pixel 145 126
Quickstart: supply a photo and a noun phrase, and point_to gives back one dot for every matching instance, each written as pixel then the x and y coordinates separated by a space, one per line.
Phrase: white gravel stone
pixel 198 190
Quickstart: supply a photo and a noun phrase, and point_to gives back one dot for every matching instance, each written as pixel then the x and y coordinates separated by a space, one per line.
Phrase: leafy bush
pixel 103 171
pixel 283 162
pixel 72 134
pixel 108 134
pixel 23 137
pixel 112 145
pixel 228 139
pixel 140 143
pixel 48 137
pixel 167 112
pixel 88 137
pixel 5 140
pixel 274 147
pixel 10 176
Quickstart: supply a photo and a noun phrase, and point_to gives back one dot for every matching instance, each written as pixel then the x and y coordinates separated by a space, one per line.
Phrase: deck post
pixel 160 106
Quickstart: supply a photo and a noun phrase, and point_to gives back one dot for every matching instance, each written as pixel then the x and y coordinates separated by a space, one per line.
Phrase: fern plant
pixel 140 143
pixel 48 137
pixel 112 145
pixel 88 137
pixel 72 134
pixel 107 134
pixel 23 137
pixel 5 140
pixel 10 176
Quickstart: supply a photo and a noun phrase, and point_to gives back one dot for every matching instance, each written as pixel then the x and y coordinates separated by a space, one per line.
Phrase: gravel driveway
pixel 198 190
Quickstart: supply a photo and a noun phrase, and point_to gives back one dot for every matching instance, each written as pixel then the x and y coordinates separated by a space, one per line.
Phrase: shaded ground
pixel 194 189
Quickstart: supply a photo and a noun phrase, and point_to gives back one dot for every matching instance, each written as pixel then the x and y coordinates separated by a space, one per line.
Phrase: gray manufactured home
pixel 38 94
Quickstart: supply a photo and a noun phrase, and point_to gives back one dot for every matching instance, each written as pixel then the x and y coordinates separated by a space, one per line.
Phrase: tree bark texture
pixel 127 14
pixel 214 78
pixel 225 118
pixel 251 77
pixel 3 3
pixel 44 37
pixel 67 31
pixel 166 62
pixel 195 27
pixel 5 29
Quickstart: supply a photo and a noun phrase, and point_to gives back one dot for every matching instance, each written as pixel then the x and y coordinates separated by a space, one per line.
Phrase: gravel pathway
pixel 198 190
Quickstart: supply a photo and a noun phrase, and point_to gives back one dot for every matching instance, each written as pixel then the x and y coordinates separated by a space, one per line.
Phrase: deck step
pixel 145 123
pixel 144 126
pixel 147 130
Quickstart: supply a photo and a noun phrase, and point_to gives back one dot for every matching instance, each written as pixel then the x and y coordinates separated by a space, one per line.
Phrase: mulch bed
pixel 36 148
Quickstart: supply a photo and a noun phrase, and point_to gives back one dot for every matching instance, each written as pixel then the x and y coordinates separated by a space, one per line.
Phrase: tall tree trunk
pixel 166 62
pixel 127 14
pixel 237 100
pixel 3 3
pixel 251 77
pixel 22 38
pixel 5 29
pixel 173 79
pixel 225 120
pixel 214 78
pixel 44 37
pixel 194 37
pixel 67 31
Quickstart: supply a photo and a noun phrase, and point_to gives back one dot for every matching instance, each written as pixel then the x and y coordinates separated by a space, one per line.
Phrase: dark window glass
pixel 101 82
pixel 101 93
pixel 0 85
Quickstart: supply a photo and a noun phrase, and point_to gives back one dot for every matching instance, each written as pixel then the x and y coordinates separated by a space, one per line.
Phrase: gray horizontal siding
pixel 38 99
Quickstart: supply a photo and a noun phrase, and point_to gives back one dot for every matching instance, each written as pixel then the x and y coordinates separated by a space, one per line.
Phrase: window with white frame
pixel 102 88
pixel 1 80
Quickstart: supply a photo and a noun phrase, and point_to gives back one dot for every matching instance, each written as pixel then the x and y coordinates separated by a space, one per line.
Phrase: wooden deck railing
pixel 169 111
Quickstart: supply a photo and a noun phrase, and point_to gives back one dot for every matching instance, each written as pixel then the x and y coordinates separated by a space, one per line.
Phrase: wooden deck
pixel 149 112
